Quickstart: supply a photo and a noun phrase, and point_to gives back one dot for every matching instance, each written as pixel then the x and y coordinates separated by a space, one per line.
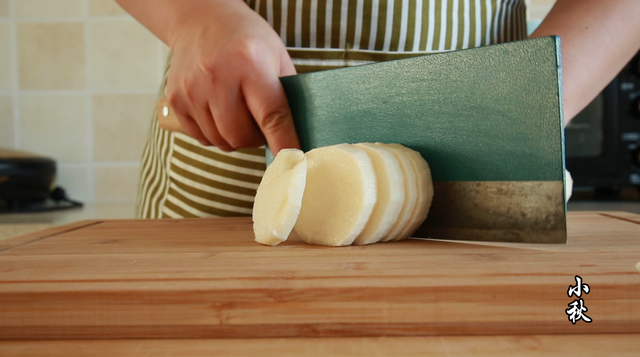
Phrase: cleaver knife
pixel 488 120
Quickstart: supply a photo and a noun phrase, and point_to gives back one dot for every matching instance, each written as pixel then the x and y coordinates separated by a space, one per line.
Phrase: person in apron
pixel 222 78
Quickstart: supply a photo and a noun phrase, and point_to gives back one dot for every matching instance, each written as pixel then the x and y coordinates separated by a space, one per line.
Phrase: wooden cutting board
pixel 205 278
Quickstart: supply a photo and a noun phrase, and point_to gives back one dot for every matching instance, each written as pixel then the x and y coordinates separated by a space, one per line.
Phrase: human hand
pixel 223 84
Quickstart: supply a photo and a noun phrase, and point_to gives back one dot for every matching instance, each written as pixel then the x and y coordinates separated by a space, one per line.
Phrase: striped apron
pixel 181 178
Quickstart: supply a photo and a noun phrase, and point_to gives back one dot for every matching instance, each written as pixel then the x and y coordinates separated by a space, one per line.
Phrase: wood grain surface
pixel 620 345
pixel 207 278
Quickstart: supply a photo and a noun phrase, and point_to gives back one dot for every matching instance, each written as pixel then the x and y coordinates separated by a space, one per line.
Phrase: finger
pixel 187 102
pixel 234 121
pixel 188 124
pixel 286 66
pixel 257 140
pixel 209 129
pixel 193 130
pixel 268 103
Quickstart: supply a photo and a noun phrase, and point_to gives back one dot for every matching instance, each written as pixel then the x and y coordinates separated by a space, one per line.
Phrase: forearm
pixel 164 17
pixel 597 39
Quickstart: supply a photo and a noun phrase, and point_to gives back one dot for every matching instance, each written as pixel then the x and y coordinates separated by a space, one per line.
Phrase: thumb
pixel 268 104
pixel 286 66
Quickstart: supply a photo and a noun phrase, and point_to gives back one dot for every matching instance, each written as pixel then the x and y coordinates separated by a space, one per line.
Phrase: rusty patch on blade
pixel 504 211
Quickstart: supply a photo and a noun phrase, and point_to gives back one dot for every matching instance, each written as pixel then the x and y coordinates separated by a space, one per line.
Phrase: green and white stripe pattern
pixel 325 34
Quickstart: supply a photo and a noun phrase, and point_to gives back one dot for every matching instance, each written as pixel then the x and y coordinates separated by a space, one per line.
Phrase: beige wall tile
pixel 164 56
pixel 124 55
pixel 165 52
pixel 542 2
pixel 54 126
pixel 49 8
pixel 105 8
pixel 6 122
pixel 75 181
pixel 120 125
pixel 5 57
pixel 538 12
pixel 51 56
pixel 116 183
pixel 4 8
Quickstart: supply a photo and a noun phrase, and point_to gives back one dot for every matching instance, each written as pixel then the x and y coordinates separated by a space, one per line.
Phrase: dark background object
pixel 603 141
pixel 27 184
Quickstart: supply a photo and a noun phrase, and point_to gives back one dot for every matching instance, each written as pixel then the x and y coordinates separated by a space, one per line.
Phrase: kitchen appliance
pixel 603 141
pixel 27 184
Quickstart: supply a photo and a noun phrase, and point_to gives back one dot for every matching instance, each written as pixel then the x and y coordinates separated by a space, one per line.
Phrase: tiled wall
pixel 78 81
pixel 538 9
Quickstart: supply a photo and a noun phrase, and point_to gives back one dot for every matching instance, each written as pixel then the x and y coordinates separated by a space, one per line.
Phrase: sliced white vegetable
pixel 568 185
pixel 424 191
pixel 279 197
pixel 410 192
pixel 339 196
pixel 390 194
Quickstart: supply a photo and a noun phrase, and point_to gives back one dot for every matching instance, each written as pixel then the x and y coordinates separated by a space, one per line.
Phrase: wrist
pixel 187 13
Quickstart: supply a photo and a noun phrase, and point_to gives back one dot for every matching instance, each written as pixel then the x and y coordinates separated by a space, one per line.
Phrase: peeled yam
pixel 568 186
pixel 424 191
pixel 279 197
pixel 340 194
pixel 343 194
pixel 410 192
pixel 390 194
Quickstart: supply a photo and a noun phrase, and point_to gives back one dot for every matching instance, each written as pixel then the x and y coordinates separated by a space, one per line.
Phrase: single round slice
pixel 424 186
pixel 279 197
pixel 410 192
pixel 390 194
pixel 568 185
pixel 339 196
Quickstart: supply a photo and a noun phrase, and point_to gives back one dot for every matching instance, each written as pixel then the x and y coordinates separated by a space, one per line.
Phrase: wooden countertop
pixel 207 279
pixel 618 345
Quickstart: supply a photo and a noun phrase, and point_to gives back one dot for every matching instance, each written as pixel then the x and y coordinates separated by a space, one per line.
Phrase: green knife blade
pixel 488 120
